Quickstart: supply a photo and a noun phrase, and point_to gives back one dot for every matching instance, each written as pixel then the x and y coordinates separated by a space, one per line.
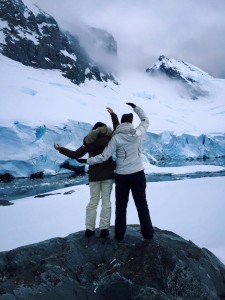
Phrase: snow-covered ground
pixel 194 209
pixel 44 97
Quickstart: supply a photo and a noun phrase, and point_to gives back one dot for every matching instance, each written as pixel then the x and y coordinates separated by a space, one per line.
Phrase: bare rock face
pixel 75 267
pixel 35 39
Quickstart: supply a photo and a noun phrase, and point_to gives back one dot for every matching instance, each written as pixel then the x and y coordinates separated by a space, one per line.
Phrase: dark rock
pixel 45 195
pixel 6 177
pixel 37 175
pixel 5 203
pixel 37 41
pixel 69 192
pixel 75 267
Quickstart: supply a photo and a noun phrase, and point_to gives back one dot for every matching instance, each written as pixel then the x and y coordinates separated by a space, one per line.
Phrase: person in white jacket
pixel 126 141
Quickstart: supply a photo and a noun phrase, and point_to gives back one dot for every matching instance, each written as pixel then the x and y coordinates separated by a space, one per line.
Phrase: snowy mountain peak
pixel 33 37
pixel 184 68
pixel 192 77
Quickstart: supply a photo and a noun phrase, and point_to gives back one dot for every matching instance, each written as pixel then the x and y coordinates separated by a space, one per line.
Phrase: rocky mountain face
pixel 103 40
pixel 35 39
pixel 193 79
pixel 75 267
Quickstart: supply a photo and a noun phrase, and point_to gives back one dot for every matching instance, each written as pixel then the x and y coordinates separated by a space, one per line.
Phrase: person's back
pixel 95 144
pixel 126 142
pixel 128 151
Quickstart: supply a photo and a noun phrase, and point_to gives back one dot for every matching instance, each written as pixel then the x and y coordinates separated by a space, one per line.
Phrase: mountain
pixel 34 38
pixel 192 78
pixel 103 40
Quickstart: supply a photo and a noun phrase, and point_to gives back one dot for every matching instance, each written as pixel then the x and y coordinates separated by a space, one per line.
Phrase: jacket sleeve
pixel 105 155
pixel 143 126
pixel 115 120
pixel 74 154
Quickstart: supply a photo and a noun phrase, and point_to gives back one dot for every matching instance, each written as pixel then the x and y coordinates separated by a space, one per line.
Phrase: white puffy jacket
pixel 127 143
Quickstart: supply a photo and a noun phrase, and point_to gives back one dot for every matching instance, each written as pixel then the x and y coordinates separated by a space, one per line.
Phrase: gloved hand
pixel 131 104
pixel 82 160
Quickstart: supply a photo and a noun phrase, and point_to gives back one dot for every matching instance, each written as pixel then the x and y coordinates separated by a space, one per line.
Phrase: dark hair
pixel 98 124
pixel 127 118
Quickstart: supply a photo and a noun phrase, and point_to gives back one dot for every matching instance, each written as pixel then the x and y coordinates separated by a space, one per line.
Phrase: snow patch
pixel 72 56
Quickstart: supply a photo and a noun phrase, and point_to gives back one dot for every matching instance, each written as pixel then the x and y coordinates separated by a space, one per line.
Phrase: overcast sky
pixel 187 30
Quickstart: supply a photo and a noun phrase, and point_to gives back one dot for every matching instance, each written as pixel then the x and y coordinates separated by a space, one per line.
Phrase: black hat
pixel 98 124
pixel 127 118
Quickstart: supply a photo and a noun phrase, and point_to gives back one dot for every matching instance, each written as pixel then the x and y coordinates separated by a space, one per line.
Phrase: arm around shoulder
pixel 105 155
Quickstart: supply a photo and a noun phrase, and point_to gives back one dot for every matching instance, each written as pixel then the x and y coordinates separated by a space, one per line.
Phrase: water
pixel 220 161
pixel 25 187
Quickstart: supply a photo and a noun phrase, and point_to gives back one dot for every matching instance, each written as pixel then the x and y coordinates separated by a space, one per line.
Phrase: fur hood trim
pixel 93 134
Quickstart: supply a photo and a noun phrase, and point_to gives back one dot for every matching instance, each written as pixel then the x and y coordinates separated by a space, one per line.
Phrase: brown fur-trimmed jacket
pixel 94 143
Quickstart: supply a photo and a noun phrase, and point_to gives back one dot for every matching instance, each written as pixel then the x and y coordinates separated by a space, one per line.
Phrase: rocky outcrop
pixel 75 267
pixel 189 76
pixel 37 175
pixel 5 203
pixel 35 39
pixel 6 177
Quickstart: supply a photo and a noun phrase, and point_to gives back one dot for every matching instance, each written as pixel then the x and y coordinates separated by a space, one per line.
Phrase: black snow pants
pixel 136 182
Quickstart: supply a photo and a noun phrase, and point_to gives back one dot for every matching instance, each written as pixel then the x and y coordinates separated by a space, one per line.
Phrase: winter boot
pixel 104 233
pixel 89 233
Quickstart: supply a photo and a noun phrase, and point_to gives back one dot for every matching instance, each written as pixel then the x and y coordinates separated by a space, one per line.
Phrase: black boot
pixel 88 232
pixel 104 233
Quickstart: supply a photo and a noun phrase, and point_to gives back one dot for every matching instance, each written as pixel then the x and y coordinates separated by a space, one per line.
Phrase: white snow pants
pixel 99 190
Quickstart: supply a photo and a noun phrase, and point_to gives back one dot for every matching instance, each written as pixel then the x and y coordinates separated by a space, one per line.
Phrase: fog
pixel 191 31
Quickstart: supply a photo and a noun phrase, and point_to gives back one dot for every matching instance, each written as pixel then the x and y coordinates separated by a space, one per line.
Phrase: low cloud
pixel 191 31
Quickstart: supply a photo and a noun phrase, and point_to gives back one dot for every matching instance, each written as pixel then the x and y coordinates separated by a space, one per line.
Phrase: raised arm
pixel 143 126
pixel 114 117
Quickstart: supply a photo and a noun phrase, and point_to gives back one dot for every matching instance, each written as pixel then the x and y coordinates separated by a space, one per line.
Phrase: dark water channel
pixel 25 187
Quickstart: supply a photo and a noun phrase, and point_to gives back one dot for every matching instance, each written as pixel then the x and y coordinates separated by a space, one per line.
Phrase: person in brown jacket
pixel 101 176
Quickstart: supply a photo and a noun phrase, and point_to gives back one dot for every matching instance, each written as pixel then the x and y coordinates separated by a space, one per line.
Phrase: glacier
pixel 29 149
